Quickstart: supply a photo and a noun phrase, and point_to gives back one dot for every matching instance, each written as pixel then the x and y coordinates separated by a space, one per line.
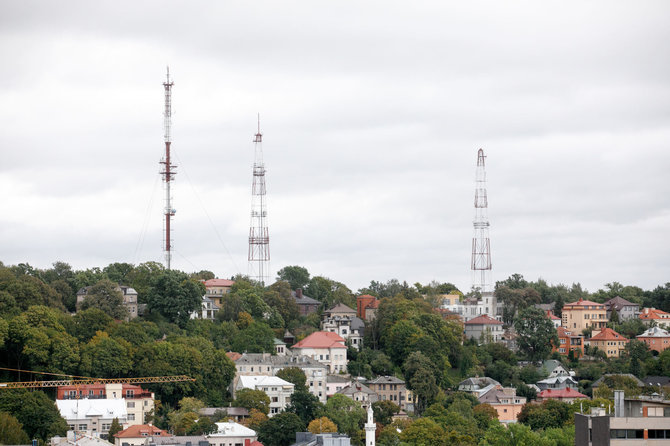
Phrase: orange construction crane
pixel 82 381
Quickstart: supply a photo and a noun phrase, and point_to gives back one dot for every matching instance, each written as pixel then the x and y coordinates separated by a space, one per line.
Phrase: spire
pixel 481 250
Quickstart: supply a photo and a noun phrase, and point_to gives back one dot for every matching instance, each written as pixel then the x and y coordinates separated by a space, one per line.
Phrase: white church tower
pixel 370 428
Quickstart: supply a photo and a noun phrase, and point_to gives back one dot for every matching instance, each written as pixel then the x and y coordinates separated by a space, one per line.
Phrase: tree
pixel 346 413
pixel 258 337
pixel 384 411
pixel 114 429
pixel 484 415
pixel 513 434
pixel 280 430
pixel 35 411
pixel 88 322
pixel 420 375
pixel 296 276
pixel 535 333
pixel 106 296
pixel 550 413
pixel 106 357
pixel 424 432
pixel 321 425
pixel 11 431
pixel 253 399
pixel 255 420
pixel 305 405
pixel 293 375
pixel 175 296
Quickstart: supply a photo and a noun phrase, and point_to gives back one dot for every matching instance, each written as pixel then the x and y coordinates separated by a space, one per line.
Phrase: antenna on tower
pixel 167 170
pixel 481 245
pixel 259 239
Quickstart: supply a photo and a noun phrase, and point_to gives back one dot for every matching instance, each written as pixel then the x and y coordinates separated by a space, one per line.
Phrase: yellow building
pixel 609 341
pixel 583 314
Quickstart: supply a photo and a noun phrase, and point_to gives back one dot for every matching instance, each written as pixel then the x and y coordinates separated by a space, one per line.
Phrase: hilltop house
pixel 656 338
pixel 390 388
pixel 625 310
pixel 366 307
pixel 651 315
pixel 129 299
pixel 609 341
pixel 582 314
pixel 278 390
pixel 326 347
pixel 484 329
pixel 306 305
pixel 343 320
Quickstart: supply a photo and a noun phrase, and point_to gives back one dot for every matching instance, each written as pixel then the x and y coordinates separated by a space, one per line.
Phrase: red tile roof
pixel 233 356
pixel 607 334
pixel 322 339
pixel 563 333
pixel 142 430
pixel 653 313
pixel 219 282
pixel 568 392
pixel 484 319
pixel 582 302
pixel 552 316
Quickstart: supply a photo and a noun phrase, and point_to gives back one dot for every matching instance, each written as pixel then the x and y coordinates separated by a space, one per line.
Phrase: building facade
pixel 390 388
pixel 484 329
pixel 609 341
pixel 656 338
pixel 583 314
pixel 278 390
pixel 326 347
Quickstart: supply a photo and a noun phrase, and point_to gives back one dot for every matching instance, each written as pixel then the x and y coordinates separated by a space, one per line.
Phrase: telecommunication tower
pixel 259 239
pixel 481 246
pixel 167 171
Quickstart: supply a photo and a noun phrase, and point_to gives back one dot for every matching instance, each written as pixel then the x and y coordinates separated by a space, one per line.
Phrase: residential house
pixel 554 319
pixel 656 338
pixel 636 421
pixel 366 307
pixel 129 299
pixel 280 347
pixel 139 402
pixel 484 329
pixel 603 379
pixel 278 390
pixel 609 341
pixel 553 368
pixel 662 382
pixel 181 440
pixel 343 320
pixel 139 435
pixel 474 307
pixel 582 314
pixel 326 347
pixel 306 305
pixel 505 401
pixel 566 395
pixel 216 290
pixel 651 315
pixel 94 415
pixel 208 309
pixel 477 385
pixel 569 341
pixel 454 304
pixel 335 383
pixel 625 310
pixel 391 388
pixel 358 391
pixel 79 438
pixel 267 364
pixel 236 414
pixel 230 433
pixel 557 383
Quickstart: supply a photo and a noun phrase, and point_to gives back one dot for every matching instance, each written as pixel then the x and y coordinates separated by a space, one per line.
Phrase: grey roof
pixel 358 387
pixel 550 364
pixel 278 342
pixel 599 381
pixel 304 300
pixel 545 307
pixel 181 440
pixel 618 303
pixel 310 439
pixel 290 360
pixel 655 332
pixel 341 308
pixel 657 380
pixel 337 379
pixel 387 380
pixel 357 324
pixel 481 382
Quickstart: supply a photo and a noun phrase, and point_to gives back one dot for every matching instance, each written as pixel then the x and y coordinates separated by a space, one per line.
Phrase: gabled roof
pixel 79 409
pixel 599 381
pixel 607 334
pixel 552 316
pixel 557 380
pixel 479 382
pixel 358 387
pixel 657 380
pixel 322 339
pixel 568 392
pixel 386 380
pixel 341 308
pixel 618 303
pixel 218 282
pixel 233 356
pixel 142 430
pixel 304 299
pixel 484 319
pixel 563 333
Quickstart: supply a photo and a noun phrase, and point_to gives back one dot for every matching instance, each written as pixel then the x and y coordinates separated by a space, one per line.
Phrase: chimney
pixel 298 293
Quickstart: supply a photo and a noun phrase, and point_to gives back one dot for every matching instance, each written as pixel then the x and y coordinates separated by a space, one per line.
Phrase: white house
pixel 326 347
pixel 94 415
pixel 230 433
pixel 277 389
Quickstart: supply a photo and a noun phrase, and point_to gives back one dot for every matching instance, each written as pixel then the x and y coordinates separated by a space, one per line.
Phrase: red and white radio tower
pixel 259 238
pixel 481 246
pixel 167 170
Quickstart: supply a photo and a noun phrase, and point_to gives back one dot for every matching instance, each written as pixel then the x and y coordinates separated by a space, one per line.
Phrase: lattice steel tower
pixel 481 246
pixel 167 171
pixel 259 239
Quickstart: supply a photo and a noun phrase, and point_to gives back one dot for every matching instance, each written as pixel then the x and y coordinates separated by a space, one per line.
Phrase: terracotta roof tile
pixel 484 319
pixel 322 339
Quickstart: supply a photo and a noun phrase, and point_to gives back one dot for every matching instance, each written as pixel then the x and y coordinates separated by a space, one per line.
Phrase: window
pixel 659 433
pixel 131 417
pixel 275 399
pixel 130 404
pixel 130 393
pixel 83 427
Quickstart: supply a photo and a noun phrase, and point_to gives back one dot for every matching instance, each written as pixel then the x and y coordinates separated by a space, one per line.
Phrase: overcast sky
pixel 372 115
